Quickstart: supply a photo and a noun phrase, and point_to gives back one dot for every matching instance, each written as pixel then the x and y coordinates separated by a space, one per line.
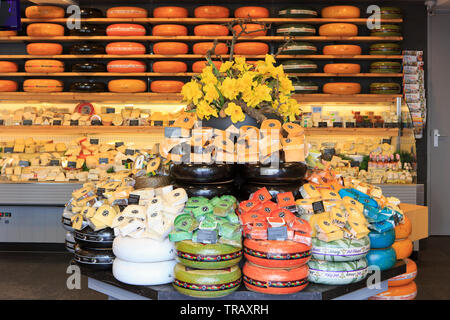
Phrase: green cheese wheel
pixel 385 88
pixel 296 29
pixel 385 67
pixel 298 12
pixel 305 87
pixel 299 66
pixel 300 48
pixel 206 283
pixel 207 256
pixel 340 250
pixel 337 273
pixel 385 49
pixel 387 30
pixel 391 13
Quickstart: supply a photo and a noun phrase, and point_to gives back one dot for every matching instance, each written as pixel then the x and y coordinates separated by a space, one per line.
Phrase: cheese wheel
pixel 44 49
pixel 340 12
pixel 44 66
pixel 381 240
pixel 166 86
pixel 8 33
pixel 168 30
pixel 143 274
pixel 87 48
pixel 305 87
pixel 251 12
pixel 127 85
pixel 198 66
pixel 45 30
pixel 8 66
pixel 340 250
pixel 384 259
pixel 342 50
pixel 299 48
pixel 143 249
pixel 211 30
pixel 251 48
pixel 170 48
pixel 337 273
pixel 125 48
pixel 126 12
pixel 8 86
pixel 169 66
pixel 170 12
pixel 204 47
pixel 88 30
pixel 405 278
pixel 406 292
pixel 44 12
pixel 338 30
pixel 43 85
pixel 87 86
pixel 342 88
pixel 249 27
pixel 211 12
pixel 88 67
pixel 125 29
pixel 126 66
pixel 342 68
pixel 403 230
pixel 86 13
pixel 403 248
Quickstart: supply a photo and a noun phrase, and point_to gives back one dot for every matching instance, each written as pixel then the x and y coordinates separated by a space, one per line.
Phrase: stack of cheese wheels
pixel 344 88
pixel 43 85
pixel 44 12
pixel 8 66
pixel 170 12
pixel 125 29
pixel 405 278
pixel 126 66
pixel 250 30
pixel 143 261
pixel 166 86
pixel 44 49
pixel 169 67
pixel 203 47
pixel 8 86
pixel 127 86
pixel 406 292
pixel 125 48
pixel 198 66
pixel 211 30
pixel 342 50
pixel 170 48
pixel 126 12
pixel 340 12
pixel 382 255
pixel 44 66
pixel 342 68
pixel 251 12
pixel 45 30
pixel 169 30
pixel 211 12
pixel 403 246
pixel 338 30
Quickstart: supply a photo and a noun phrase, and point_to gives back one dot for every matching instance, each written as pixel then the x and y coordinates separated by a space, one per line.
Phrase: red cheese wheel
pixel 342 88
pixel 340 12
pixel 170 12
pixel 342 68
pixel 166 86
pixel 125 29
pixel 275 280
pixel 203 47
pixel 198 66
pixel 127 85
pixel 8 66
pixel 251 48
pixel 8 33
pixel 167 30
pixel 338 30
pixel 43 85
pixel 251 12
pixel 125 48
pixel 44 66
pixel 45 30
pixel 8 86
pixel 211 30
pixel 211 12
pixel 403 230
pixel 126 12
pixel 403 248
pixel 44 12
pixel 342 50
pixel 126 66
pixel 249 27
pixel 169 67
pixel 405 278
pixel 406 292
pixel 170 48
pixel 44 49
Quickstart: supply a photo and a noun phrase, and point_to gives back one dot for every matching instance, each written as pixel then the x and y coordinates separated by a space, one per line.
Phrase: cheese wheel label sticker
pixel 318 207
pixel 277 233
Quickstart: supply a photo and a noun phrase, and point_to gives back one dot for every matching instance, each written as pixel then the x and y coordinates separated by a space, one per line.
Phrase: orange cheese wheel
pixel 44 66
pixel 125 48
pixel 405 278
pixel 251 12
pixel 211 30
pixel 45 30
pixel 342 68
pixel 8 33
pixel 169 67
pixel 249 27
pixel 44 12
pixel 127 85
pixel 8 66
pixel 342 50
pixel 211 12
pixel 403 230
pixel 8 86
pixel 43 85
pixel 125 29
pixel 167 30
pixel 44 49
pixel 406 292
pixel 170 48
pixel 340 12
pixel 338 30
pixel 170 12
pixel 203 47
pixel 251 48
pixel 126 12
pixel 166 86
pixel 198 66
pixel 342 88
pixel 126 66
pixel 403 248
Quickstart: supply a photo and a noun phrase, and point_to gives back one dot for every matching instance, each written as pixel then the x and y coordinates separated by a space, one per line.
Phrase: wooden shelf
pixel 391 132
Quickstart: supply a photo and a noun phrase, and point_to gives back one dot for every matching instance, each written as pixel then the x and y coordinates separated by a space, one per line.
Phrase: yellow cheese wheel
pixel 338 30
pixel 170 48
pixel 342 88
pixel 251 12
pixel 44 12
pixel 165 30
pixel 44 49
pixel 8 66
pixel 43 85
pixel 403 248
pixel 404 229
pixel 170 12
pixel 126 12
pixel 211 30
pixel 8 86
pixel 166 86
pixel 44 66
pixel 127 85
pixel 211 12
pixel 342 68
pixel 251 48
pixel 45 30
pixel 204 47
pixel 125 29
pixel 340 12
pixel 125 48
pixel 249 27
pixel 342 50
pixel 198 66
pixel 8 33
pixel 169 67
pixel 126 66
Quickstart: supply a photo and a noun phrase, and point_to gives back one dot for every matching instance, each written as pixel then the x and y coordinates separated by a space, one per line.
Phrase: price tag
pixel 157 123
pixel 93 141
pixel 71 164
pixel 96 122
pixel 337 124
pixel 27 122
pixel 23 163
pixel 349 124
pixel 54 163
pixel 8 150
pixel 129 152
pixel 277 233
pixel 323 125
pixel 207 236
pixel 133 199
pixel 118 144
pixel 134 123
pixel 56 122
pixel 73 122
pixel 103 160
pixel 318 207
pixel 110 110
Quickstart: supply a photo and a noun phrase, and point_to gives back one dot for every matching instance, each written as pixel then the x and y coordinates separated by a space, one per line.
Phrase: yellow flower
pixel 235 112
pixel 211 92
pixel 277 72
pixel 192 92
pixel 269 60
pixel 230 88
pixel 225 66
pixel 239 63
pixel 207 76
pixel 286 85
pixel 264 68
pixel 204 110
pixel 259 94
pixel 245 82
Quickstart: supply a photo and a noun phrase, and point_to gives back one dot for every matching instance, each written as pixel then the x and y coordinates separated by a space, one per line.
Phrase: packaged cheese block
pixel 342 68
pixel 251 12
pixel 44 49
pixel 198 66
pixel 43 85
pixel 45 30
pixel 8 66
pixel 127 85
pixel 251 30
pixel 211 12
pixel 299 66
pixel 125 48
pixel 87 86
pixel 342 88
pixel 170 12
pixel 337 273
pixel 385 88
pixel 387 30
pixel 405 292
pixel 126 66
pixel 405 278
pixel 211 30
pixel 125 29
pixel 338 30
pixel 44 12
pixel 126 12
pixel 391 13
pixel 169 67
pixel 342 50
pixel 165 30
pixel 340 12
pixel 403 248
pixel 170 48
pixel 44 66
pixel 166 86
pixel 298 12
pixel 251 48
pixel 385 49
pixel 87 48
pixel 305 87
pixel 203 47
pixel 385 67
pixel 88 67
pixel 300 48
pixel 296 30
pixel 8 33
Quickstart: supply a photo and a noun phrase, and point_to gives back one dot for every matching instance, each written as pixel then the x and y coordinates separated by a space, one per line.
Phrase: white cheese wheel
pixel 144 274
pixel 143 249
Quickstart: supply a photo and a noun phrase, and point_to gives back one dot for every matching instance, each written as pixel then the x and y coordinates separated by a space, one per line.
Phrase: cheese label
pixel 295 29
pixel 318 207
pixel 298 11
pixel 277 233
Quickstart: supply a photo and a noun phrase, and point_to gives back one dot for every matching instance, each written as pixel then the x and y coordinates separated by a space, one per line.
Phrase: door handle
pixel 436 136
